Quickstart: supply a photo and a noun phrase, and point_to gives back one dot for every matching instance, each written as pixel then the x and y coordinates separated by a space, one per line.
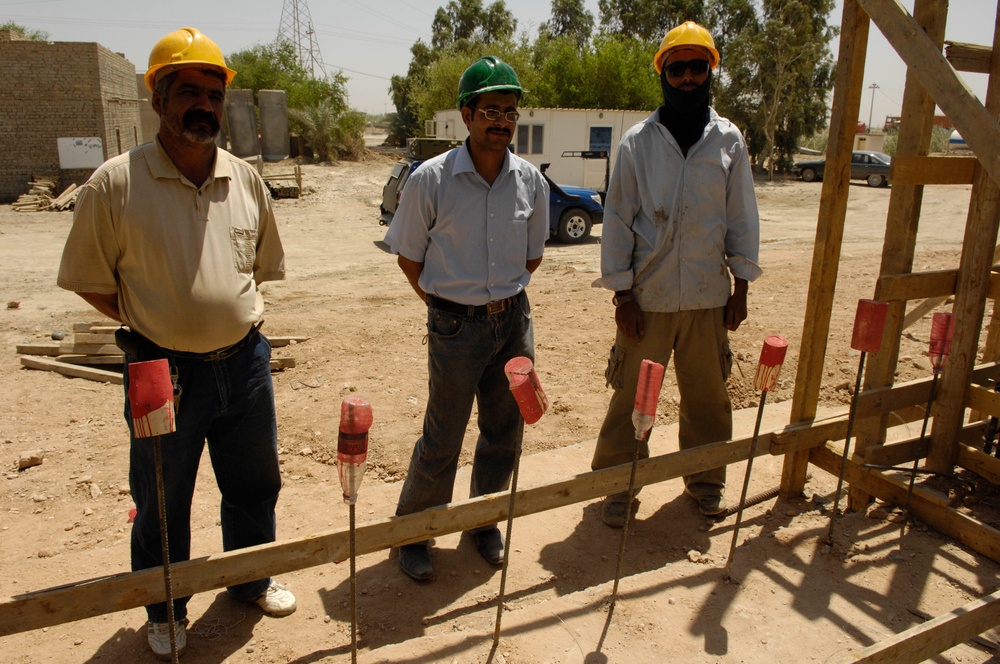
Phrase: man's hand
pixel 628 318
pixel 736 307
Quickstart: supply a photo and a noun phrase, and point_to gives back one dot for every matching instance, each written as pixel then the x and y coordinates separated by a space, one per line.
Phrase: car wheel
pixel 876 180
pixel 809 175
pixel 574 226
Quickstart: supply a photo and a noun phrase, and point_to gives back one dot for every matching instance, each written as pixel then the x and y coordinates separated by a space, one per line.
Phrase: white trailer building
pixel 544 135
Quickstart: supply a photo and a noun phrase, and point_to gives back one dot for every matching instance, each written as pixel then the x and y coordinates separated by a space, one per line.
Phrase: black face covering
pixel 685 112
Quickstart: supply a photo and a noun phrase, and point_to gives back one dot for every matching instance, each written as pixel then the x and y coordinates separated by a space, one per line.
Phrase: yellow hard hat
pixel 185 48
pixel 687 33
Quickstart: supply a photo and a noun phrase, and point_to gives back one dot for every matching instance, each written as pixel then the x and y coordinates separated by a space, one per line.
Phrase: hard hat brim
pixel 167 68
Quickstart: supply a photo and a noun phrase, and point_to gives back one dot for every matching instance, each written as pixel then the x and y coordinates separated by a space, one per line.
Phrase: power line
pixel 297 27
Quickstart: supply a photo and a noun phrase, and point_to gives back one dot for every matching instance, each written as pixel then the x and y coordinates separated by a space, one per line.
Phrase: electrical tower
pixel 297 27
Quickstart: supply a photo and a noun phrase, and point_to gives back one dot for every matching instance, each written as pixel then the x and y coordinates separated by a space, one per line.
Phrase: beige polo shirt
pixel 184 261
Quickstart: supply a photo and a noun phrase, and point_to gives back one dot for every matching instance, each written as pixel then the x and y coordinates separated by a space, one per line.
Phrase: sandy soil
pixel 66 520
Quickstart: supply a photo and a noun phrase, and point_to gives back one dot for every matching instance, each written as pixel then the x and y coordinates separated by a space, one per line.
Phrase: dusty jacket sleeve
pixel 617 237
pixel 742 218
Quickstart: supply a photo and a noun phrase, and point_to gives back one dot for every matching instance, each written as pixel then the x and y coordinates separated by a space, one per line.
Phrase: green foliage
pixel 465 21
pixel 939 141
pixel 275 66
pixel 649 20
pixel 33 35
pixel 569 19
pixel 333 133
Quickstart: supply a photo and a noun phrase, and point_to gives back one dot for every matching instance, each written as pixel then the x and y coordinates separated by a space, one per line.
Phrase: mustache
pixel 505 132
pixel 196 115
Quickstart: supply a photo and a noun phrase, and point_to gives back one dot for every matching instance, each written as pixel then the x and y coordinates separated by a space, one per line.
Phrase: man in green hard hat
pixel 469 232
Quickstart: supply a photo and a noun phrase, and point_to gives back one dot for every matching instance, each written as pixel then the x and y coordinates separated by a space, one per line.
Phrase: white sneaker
pixel 277 600
pixel 158 635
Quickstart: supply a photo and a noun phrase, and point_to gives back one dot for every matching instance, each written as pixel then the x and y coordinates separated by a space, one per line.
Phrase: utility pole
pixel 873 87
pixel 297 27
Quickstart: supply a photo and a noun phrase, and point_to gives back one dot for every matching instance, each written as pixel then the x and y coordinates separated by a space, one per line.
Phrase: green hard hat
pixel 487 74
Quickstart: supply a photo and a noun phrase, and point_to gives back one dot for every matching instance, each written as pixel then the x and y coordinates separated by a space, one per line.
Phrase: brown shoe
pixel 712 505
pixel 614 510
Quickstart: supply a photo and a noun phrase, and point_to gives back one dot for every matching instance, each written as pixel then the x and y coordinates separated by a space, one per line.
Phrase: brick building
pixel 61 90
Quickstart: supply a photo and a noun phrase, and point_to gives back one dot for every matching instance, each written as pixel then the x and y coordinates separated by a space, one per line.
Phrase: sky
pixel 370 41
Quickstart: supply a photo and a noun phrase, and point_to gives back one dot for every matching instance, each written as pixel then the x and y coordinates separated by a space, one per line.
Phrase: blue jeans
pixel 229 403
pixel 466 359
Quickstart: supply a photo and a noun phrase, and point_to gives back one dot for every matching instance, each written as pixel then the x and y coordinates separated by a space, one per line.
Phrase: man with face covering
pixel 171 240
pixel 679 248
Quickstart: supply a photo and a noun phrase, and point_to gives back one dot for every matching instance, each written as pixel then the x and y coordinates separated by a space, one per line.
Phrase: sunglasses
pixel 493 114
pixel 677 68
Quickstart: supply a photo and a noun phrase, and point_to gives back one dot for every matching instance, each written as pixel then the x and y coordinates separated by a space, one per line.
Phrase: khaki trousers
pixel 699 344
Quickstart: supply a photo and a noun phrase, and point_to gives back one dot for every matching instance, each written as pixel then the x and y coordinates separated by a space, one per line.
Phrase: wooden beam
pixel 72 370
pixel 120 592
pixel 984 400
pixel 980 463
pixel 974 271
pixel 894 454
pixel 922 56
pixel 913 169
pixel 902 223
pixel 827 248
pixel 968 57
pixel 921 643
pixel 48 349
pixel 916 285
pixel 924 504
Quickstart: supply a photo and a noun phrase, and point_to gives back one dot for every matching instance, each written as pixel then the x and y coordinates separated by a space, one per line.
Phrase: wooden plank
pixel 920 643
pixel 92 359
pixel 914 169
pixel 968 57
pixel 974 270
pixel 49 349
pixel 282 363
pixel 951 93
pixel 96 326
pixel 984 400
pixel 916 285
pixel 120 592
pixel 925 505
pixel 98 338
pixel 829 233
pixel 72 370
pixel 982 464
pixel 894 454
pixel 69 347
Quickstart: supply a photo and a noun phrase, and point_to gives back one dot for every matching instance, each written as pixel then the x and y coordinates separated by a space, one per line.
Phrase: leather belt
pixel 222 353
pixel 473 310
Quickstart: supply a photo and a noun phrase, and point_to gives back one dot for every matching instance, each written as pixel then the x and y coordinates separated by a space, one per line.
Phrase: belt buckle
pixel 496 307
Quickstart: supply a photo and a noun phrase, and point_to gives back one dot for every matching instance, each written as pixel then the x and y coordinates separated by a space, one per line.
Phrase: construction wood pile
pixel 91 353
pixel 41 196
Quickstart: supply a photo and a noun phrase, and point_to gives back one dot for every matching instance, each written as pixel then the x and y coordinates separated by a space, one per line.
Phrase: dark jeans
pixel 229 403
pixel 466 358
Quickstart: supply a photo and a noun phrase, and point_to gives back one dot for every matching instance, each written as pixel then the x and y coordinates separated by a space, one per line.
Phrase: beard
pixel 196 126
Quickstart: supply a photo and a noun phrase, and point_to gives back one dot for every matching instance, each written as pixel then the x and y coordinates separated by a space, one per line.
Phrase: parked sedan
pixel 872 167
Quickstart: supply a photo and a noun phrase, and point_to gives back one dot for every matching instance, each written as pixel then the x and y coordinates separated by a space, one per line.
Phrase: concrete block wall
pixel 61 89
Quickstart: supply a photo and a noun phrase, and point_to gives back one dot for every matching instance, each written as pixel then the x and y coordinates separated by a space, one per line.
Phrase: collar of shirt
pixel 160 165
pixel 463 163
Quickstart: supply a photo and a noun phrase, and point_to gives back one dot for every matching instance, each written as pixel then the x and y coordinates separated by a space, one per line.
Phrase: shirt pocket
pixel 244 242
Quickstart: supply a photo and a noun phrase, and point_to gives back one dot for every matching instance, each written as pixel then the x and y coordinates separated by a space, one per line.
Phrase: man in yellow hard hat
pixel 679 248
pixel 469 232
pixel 172 240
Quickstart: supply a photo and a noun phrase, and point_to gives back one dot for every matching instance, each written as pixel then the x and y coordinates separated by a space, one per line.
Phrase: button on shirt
pixel 675 227
pixel 473 239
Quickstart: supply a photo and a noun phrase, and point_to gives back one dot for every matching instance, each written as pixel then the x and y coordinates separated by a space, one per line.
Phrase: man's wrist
pixel 622 297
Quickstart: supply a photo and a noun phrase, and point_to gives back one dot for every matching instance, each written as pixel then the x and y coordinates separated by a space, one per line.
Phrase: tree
pixel 332 133
pixel 780 71
pixel 33 35
pixel 275 66
pixel 569 19
pixel 648 20
pixel 466 21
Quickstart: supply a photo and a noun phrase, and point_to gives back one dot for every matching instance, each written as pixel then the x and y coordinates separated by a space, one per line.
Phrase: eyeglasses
pixel 493 114
pixel 677 69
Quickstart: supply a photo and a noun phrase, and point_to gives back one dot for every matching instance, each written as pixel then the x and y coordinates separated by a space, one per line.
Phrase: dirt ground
pixel 66 520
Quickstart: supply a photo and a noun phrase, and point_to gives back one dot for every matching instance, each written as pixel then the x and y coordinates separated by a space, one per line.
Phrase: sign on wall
pixel 80 152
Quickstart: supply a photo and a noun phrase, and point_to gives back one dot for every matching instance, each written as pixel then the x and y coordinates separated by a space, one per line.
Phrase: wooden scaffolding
pixel 962 398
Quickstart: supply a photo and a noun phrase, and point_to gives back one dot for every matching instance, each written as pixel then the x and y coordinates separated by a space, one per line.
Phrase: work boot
pixel 709 505
pixel 614 509
pixel 415 561
pixel 489 544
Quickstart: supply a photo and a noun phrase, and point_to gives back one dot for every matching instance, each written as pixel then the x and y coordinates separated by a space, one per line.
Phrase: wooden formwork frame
pixel 930 80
